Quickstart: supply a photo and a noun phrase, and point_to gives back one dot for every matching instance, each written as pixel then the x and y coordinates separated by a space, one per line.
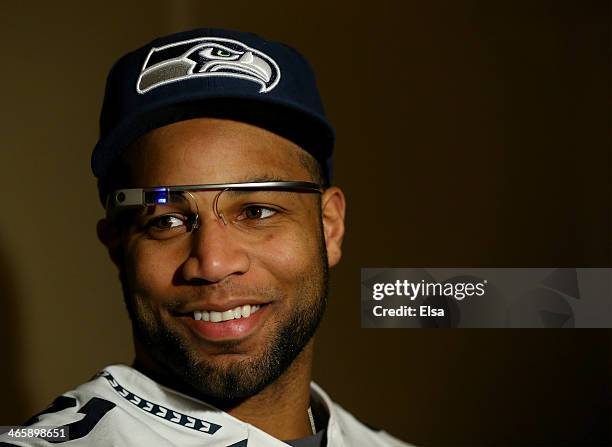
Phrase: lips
pixel 226 325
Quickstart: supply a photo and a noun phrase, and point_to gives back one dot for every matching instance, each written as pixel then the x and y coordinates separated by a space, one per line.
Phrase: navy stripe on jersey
pixel 160 411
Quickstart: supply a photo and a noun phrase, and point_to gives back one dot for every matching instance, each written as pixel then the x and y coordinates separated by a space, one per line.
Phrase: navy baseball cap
pixel 212 73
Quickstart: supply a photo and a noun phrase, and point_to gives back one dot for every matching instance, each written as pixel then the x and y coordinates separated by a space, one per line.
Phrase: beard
pixel 227 385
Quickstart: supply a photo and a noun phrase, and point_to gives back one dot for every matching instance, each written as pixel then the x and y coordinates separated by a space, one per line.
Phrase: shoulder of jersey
pixel 86 411
pixel 358 434
pixel 97 416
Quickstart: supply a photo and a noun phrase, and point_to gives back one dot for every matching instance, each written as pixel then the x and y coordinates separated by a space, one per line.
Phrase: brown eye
pixel 255 212
pixel 166 222
pixel 166 226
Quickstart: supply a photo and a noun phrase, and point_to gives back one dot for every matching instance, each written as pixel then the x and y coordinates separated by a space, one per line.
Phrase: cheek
pixel 290 255
pixel 150 273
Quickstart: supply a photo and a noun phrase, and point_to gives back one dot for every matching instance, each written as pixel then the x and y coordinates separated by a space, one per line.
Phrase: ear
pixel 333 207
pixel 109 235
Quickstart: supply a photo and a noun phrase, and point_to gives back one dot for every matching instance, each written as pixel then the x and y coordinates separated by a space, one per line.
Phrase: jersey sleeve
pixel 70 417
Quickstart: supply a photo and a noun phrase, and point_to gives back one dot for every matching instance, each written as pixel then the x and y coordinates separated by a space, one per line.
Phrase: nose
pixel 214 254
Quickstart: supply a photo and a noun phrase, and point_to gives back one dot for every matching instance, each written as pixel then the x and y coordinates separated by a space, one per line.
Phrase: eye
pixel 221 53
pixel 167 225
pixel 165 222
pixel 256 212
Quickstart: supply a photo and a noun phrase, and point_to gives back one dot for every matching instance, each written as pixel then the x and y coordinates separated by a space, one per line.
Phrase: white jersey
pixel 122 407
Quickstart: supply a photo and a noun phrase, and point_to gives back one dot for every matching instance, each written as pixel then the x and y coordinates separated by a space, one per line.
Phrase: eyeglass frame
pixel 129 198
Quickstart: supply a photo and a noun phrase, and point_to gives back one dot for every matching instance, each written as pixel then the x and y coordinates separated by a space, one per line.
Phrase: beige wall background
pixel 470 133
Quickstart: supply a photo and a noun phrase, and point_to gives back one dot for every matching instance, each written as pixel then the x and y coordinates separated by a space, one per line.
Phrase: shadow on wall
pixel 15 399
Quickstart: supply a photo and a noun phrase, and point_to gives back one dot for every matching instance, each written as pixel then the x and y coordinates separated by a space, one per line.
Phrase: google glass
pixel 175 209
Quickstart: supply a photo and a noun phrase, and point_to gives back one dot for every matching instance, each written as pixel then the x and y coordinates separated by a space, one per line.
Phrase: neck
pixel 280 409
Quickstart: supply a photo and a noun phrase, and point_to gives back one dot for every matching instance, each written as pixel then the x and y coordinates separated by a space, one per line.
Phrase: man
pixel 213 165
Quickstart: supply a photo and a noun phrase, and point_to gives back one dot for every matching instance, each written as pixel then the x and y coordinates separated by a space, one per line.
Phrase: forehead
pixel 207 150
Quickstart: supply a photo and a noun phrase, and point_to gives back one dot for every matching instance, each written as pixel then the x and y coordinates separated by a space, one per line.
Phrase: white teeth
pixel 246 310
pixel 238 312
pixel 227 315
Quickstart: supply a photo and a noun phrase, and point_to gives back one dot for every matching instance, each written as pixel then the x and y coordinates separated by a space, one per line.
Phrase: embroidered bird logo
pixel 207 56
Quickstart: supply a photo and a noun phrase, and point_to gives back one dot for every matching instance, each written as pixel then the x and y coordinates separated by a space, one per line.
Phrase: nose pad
pixel 194 222
pixel 216 210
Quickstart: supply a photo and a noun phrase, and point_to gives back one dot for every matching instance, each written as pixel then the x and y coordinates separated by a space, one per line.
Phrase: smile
pixel 232 314
pixel 231 324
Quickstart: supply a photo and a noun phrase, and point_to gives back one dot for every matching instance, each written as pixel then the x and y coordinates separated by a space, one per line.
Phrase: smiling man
pixel 213 165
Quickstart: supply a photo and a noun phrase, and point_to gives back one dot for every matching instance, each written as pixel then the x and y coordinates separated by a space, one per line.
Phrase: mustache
pixel 220 291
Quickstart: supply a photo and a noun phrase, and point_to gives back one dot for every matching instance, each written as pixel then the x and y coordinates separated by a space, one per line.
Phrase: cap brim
pixel 281 117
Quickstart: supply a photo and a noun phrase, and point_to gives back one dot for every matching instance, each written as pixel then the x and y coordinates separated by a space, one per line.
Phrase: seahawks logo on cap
pixel 204 57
